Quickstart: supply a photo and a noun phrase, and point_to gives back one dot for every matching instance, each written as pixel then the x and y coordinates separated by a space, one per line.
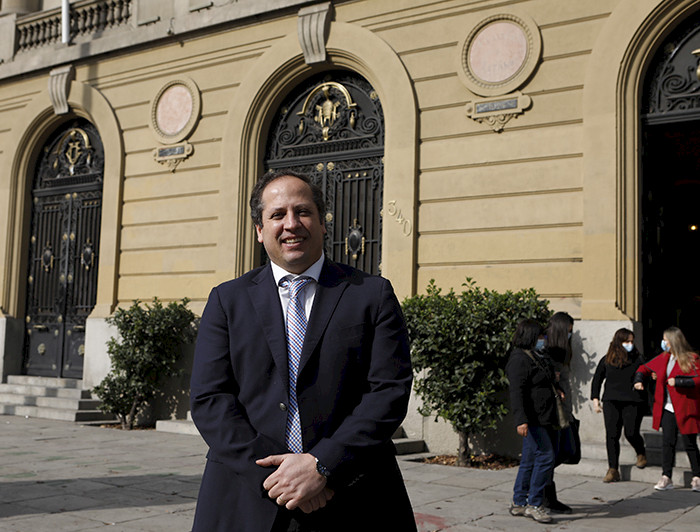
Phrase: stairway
pixel 50 398
pixel 594 459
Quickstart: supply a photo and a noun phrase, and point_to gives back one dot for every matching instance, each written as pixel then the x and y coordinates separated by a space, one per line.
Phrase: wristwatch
pixel 321 469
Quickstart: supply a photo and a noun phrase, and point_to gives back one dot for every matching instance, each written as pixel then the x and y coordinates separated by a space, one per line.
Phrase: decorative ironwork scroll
pixel 332 128
pixel 673 89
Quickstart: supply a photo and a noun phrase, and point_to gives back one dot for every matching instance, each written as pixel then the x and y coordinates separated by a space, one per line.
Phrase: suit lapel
pixel 265 297
pixel 331 285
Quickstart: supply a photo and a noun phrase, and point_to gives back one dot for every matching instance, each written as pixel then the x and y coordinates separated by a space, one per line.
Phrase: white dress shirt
pixel 307 294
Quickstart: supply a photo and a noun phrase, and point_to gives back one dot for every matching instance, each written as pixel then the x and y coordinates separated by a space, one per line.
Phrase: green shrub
pixel 459 348
pixel 149 345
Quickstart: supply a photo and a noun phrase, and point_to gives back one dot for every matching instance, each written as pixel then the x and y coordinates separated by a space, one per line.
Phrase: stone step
pixel 177 426
pixel 651 474
pixel 49 382
pixel 61 414
pixel 409 446
pixel 45 391
pixel 49 402
pixel 50 398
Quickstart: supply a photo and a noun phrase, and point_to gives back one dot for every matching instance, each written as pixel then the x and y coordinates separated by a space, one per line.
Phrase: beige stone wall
pixel 549 202
pixel 503 208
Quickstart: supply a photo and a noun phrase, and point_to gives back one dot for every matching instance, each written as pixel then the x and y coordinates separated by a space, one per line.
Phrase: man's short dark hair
pixel 256 203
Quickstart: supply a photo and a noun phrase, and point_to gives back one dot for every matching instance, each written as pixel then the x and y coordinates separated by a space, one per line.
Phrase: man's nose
pixel 291 220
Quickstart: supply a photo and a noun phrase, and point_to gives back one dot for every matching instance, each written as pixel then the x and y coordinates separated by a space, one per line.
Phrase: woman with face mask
pixel 533 405
pixel 623 406
pixel 676 402
pixel 557 348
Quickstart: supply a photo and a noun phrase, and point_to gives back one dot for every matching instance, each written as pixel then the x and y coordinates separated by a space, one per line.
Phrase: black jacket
pixel 532 399
pixel 619 382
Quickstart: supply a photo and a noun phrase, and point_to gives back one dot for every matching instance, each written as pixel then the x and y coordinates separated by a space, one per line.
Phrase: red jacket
pixel 686 400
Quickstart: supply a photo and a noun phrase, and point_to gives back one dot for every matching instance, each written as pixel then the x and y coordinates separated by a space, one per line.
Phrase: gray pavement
pixel 57 476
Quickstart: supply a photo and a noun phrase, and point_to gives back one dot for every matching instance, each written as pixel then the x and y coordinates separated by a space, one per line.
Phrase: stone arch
pixel 37 119
pixel 282 66
pixel 611 107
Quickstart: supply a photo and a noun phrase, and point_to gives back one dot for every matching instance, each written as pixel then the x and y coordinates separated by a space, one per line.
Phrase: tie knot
pixel 295 285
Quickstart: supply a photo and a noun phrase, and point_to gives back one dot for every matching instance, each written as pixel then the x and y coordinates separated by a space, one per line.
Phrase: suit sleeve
pixel 216 411
pixel 383 405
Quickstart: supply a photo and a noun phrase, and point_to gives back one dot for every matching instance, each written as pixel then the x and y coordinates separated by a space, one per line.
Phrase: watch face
pixel 322 469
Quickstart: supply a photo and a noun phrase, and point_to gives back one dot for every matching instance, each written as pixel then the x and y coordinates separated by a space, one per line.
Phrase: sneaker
pixel 641 461
pixel 538 513
pixel 516 509
pixel 613 475
pixel 664 484
pixel 695 484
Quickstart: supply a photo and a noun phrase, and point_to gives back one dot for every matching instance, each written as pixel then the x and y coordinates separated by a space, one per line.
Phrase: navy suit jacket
pixel 353 388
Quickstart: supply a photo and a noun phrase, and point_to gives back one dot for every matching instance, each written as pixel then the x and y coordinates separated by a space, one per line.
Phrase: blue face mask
pixel 628 346
pixel 665 346
pixel 539 346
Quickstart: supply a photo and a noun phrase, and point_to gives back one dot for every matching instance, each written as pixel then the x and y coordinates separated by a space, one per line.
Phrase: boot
pixel 551 501
pixel 613 475
pixel 641 461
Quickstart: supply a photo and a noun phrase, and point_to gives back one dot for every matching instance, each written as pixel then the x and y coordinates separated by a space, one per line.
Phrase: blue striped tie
pixel 296 328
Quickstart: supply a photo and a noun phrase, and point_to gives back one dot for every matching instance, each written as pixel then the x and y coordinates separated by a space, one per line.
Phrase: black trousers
pixel 669 427
pixel 619 414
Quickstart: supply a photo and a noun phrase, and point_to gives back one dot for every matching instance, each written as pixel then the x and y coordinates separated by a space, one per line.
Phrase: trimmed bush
pixel 459 348
pixel 149 344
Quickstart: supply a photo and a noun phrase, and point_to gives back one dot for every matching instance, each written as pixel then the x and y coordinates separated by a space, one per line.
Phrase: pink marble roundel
pixel 174 109
pixel 498 52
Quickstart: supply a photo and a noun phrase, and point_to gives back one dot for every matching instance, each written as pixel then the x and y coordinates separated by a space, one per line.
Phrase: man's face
pixel 291 231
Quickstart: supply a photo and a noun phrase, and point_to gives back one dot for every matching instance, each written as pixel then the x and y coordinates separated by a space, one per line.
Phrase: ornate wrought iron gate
pixel 332 128
pixel 63 250
pixel 670 188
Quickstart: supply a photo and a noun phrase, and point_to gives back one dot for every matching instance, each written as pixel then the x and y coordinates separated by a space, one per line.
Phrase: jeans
pixel 616 415
pixel 669 428
pixel 536 466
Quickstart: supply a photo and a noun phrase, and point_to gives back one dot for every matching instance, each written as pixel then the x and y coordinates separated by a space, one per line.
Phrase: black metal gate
pixel 332 129
pixel 63 250
pixel 670 188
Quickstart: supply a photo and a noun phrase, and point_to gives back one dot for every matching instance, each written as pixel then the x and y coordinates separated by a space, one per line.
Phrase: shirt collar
pixel 313 271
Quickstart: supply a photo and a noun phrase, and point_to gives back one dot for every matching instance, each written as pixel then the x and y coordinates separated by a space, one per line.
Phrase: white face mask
pixel 628 346
pixel 665 346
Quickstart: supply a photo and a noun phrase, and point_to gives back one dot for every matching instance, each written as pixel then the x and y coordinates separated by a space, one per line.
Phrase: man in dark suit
pixel 297 391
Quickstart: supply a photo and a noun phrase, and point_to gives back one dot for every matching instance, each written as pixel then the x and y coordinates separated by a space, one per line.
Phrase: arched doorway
pixel 63 249
pixel 331 127
pixel 670 189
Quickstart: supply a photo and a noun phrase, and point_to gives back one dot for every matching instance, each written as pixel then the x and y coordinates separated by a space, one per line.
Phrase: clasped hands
pixel 296 483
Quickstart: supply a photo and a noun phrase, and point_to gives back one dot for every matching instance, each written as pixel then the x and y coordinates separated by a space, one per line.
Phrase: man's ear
pixel 258 230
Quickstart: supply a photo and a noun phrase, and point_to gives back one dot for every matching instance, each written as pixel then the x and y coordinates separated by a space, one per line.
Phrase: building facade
pixel 543 143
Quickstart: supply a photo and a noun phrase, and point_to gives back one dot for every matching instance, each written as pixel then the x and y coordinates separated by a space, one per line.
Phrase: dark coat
pixel 619 381
pixel 353 388
pixel 532 399
pixel 685 396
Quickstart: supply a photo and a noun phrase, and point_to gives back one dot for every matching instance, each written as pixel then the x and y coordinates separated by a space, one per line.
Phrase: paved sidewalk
pixel 61 477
